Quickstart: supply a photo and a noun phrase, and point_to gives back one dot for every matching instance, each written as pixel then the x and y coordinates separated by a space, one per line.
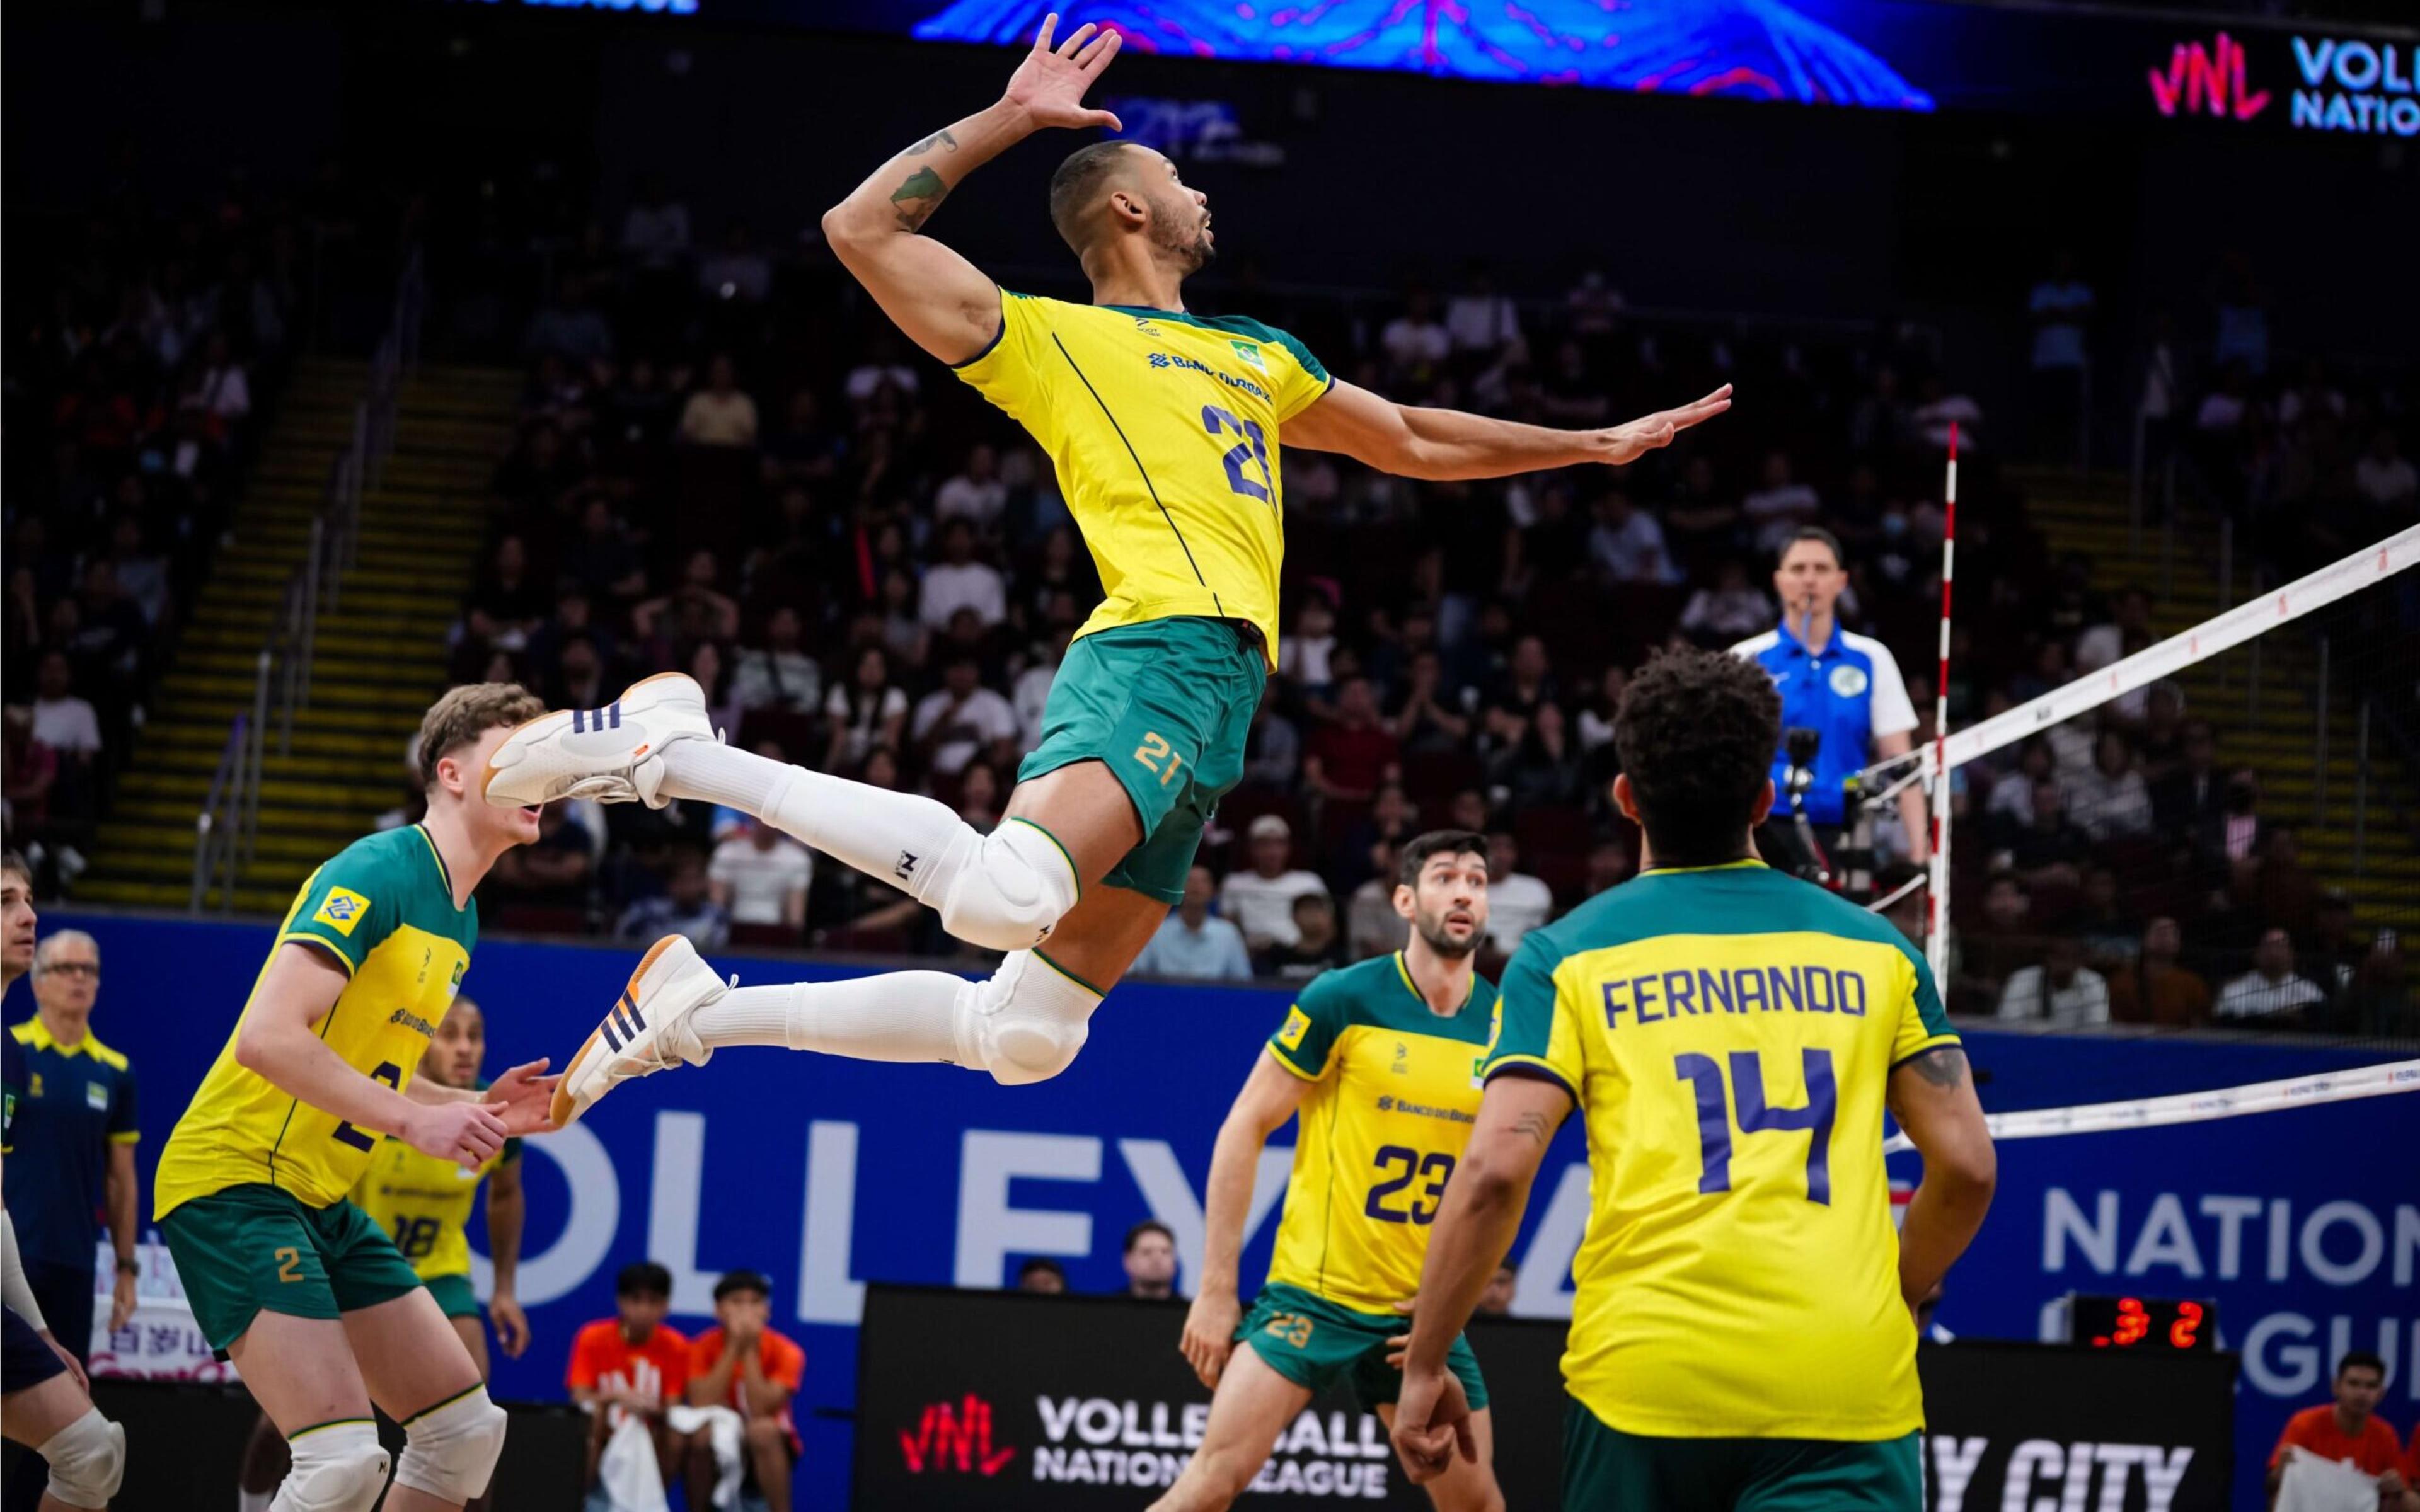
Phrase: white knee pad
pixel 450 1451
pixel 1026 1023
pixel 88 1460
pixel 339 1468
pixel 1010 890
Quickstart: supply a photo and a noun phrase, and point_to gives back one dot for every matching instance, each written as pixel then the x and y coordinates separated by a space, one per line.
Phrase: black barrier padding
pixel 988 1401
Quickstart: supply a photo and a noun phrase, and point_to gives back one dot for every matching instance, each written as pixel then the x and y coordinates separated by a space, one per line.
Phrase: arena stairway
pixel 381 656
pixel 2271 728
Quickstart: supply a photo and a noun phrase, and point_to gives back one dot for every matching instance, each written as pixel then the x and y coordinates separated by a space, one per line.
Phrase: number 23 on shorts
pixel 1158 757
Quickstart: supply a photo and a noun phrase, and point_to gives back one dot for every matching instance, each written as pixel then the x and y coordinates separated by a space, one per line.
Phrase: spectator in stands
pixel 2271 996
pixel 962 719
pixel 655 229
pixel 686 907
pixel 880 369
pixel 1541 768
pixel 1627 544
pixel 1503 1288
pixel 695 610
pixel 2050 851
pixel 959 581
pixel 2349 1431
pixel 1042 1276
pixel 867 711
pixel 141 575
pixel 1516 902
pixel 744 1364
pixel 1780 507
pixel 2237 832
pixel 1416 344
pixel 1261 900
pixel 736 270
pixel 2061 308
pixel 1732 610
pixel 2154 989
pixel 1431 718
pixel 974 493
pixel 1273 749
pixel 1348 757
pixel 553 871
pixel 1372 925
pixel 2193 797
pixel 506 604
pixel 2108 800
pixel 578 680
pixel 1317 944
pixel 1479 319
pixel 1151 1261
pixel 760 876
pixel 2126 631
pixel 1194 944
pixel 1609 865
pixel 2384 476
pixel 2062 993
pixel 720 413
pixel 29 771
pixel 2108 929
pixel 631 1367
pixel 779 674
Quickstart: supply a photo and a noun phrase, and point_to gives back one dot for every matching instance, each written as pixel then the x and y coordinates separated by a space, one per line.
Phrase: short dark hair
pixel 1420 848
pixel 1073 186
pixel 2360 1360
pixel 1697 734
pixel 1041 1265
pixel 13 864
pixel 643 1278
pixel 1149 1225
pixel 1813 533
pixel 736 1281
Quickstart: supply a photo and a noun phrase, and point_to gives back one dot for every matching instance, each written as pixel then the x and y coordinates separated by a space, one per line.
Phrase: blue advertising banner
pixel 2303 1228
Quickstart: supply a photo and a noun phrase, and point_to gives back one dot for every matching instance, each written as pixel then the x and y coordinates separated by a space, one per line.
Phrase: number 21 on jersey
pixel 1252 452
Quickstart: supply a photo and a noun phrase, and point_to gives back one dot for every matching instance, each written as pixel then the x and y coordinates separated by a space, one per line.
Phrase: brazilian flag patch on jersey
pixel 341 910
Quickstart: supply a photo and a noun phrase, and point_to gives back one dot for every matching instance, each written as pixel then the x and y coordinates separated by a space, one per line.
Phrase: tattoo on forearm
pixel 1945 1066
pixel 1535 1126
pixel 918 195
pixel 943 138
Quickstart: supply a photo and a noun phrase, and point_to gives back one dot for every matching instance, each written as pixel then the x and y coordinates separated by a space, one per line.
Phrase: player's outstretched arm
pixel 1932 1097
pixel 1270 1096
pixel 936 296
pixel 276 1044
pixel 1475 1222
pixel 1444 445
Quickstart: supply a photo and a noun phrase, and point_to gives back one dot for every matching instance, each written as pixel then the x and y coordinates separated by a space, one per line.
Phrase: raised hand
pixel 1633 439
pixel 1050 85
pixel 519 1099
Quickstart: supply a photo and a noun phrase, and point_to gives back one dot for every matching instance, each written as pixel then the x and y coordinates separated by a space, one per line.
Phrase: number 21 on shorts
pixel 1158 757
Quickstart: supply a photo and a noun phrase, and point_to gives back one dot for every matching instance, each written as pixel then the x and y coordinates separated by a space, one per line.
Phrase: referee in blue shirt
pixel 74 1138
pixel 1845 687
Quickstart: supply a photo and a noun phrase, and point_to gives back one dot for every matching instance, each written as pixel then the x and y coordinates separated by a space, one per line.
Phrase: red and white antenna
pixel 1936 933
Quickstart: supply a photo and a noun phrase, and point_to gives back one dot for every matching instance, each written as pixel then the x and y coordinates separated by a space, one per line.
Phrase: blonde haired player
pixel 288 1277
pixel 1166 429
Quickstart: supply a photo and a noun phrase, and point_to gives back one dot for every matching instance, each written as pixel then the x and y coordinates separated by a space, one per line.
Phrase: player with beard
pixel 1379 1062
pixel 1164 428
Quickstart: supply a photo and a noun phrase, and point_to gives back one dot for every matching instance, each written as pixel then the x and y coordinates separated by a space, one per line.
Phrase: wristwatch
pixel 127 1266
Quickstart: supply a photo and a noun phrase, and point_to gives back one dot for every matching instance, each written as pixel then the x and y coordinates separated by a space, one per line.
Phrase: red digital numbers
pixel 2133 1322
pixel 2188 1323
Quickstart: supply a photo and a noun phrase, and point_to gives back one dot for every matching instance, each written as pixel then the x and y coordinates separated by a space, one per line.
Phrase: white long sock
pixel 899 1016
pixel 252 1501
pixel 910 842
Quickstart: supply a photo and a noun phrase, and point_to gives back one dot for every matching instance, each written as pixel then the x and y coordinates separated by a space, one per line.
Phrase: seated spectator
pixel 867 710
pixel 2186 801
pixel 62 721
pixel 744 1364
pixel 655 229
pixel 1260 899
pixel 881 369
pixel 1777 509
pixel 2050 852
pixel 1317 944
pixel 1609 865
pixel 1273 747
pixel 1151 1261
pixel 1030 695
pixel 570 326
pixel 1042 1276
pixel 1194 944
pixel 974 493
pixel 686 907
pixel 1541 768
pixel 631 1367
pixel 1416 344
pixel 2111 935
pixel 1516 902
pixel 1349 757
pixel 1372 925
pixel 2289 894
pixel 1478 319
pixel 142 574
pixel 2061 993
pixel 2108 800
pixel 2348 1432
pixel 2271 996
pixel 1627 546
pixel 1431 719
pixel 1503 1287
pixel 695 610
pixel 601 558
pixel 1305 658
pixel 805 450
pixel 959 581
pixel 736 270
pixel 760 876
pixel 979 796
pixel 1733 609
pixel 2154 989
pixel 779 674
pixel 962 719
pixel 2236 832
pixel 29 772
pixel 506 604
pixel 2384 476
pixel 721 413
pixel 553 871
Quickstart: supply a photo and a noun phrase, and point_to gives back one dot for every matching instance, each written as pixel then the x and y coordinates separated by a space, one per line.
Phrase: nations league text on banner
pixel 998 1402
pixel 828 1173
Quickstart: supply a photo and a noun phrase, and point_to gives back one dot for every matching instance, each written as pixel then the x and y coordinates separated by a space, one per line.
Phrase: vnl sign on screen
pixel 2329 84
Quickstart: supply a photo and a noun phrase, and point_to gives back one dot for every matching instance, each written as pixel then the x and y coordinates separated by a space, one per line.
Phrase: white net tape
pixel 2200 1107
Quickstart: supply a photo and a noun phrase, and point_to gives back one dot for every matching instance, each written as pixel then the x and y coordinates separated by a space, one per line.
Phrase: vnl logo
pixel 2207 81
pixel 954 1436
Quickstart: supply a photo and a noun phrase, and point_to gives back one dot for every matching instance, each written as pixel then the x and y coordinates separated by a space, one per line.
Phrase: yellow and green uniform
pixel 251 1186
pixel 423 1205
pixel 1728 1034
pixel 1394 1091
pixel 1163 429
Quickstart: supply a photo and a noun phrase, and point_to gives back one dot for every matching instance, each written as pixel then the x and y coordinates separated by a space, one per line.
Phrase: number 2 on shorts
pixel 1153 752
pixel 290 1263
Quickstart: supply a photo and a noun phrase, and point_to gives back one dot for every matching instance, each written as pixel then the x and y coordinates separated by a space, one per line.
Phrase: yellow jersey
pixel 424 1203
pixel 1394 1091
pixel 383 908
pixel 1162 427
pixel 1729 1034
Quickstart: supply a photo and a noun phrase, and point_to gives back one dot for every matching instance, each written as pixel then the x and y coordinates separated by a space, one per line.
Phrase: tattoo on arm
pixel 918 195
pixel 943 138
pixel 1945 1066
pixel 1535 1126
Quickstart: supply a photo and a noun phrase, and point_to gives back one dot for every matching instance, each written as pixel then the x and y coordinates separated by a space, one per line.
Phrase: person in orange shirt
pixel 2348 1430
pixel 743 1365
pixel 632 1365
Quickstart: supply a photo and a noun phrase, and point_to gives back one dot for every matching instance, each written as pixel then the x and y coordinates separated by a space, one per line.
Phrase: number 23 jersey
pixel 1395 1089
pixel 1163 429
pixel 382 908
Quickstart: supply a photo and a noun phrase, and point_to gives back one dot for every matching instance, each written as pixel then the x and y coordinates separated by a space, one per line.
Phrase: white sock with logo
pixel 905 839
pixel 898 1016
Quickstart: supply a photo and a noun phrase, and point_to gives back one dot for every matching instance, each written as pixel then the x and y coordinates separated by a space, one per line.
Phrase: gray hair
pixel 50 945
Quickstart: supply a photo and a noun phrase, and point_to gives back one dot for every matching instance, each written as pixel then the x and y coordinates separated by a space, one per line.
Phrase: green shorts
pixel 255 1248
pixel 1603 1467
pixel 454 1298
pixel 1311 1341
pixel 1166 704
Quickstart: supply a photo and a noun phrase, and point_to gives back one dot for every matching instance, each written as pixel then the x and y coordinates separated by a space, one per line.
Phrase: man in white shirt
pixel 779 674
pixel 1516 903
pixel 1193 943
pixel 1627 544
pixel 761 876
pixel 2384 476
pixel 1479 319
pixel 63 721
pixel 881 365
pixel 2062 993
pixel 976 493
pixel 656 230
pixel 1415 341
pixel 1780 507
pixel 2270 991
pixel 955 721
pixel 1261 900
pixel 959 581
